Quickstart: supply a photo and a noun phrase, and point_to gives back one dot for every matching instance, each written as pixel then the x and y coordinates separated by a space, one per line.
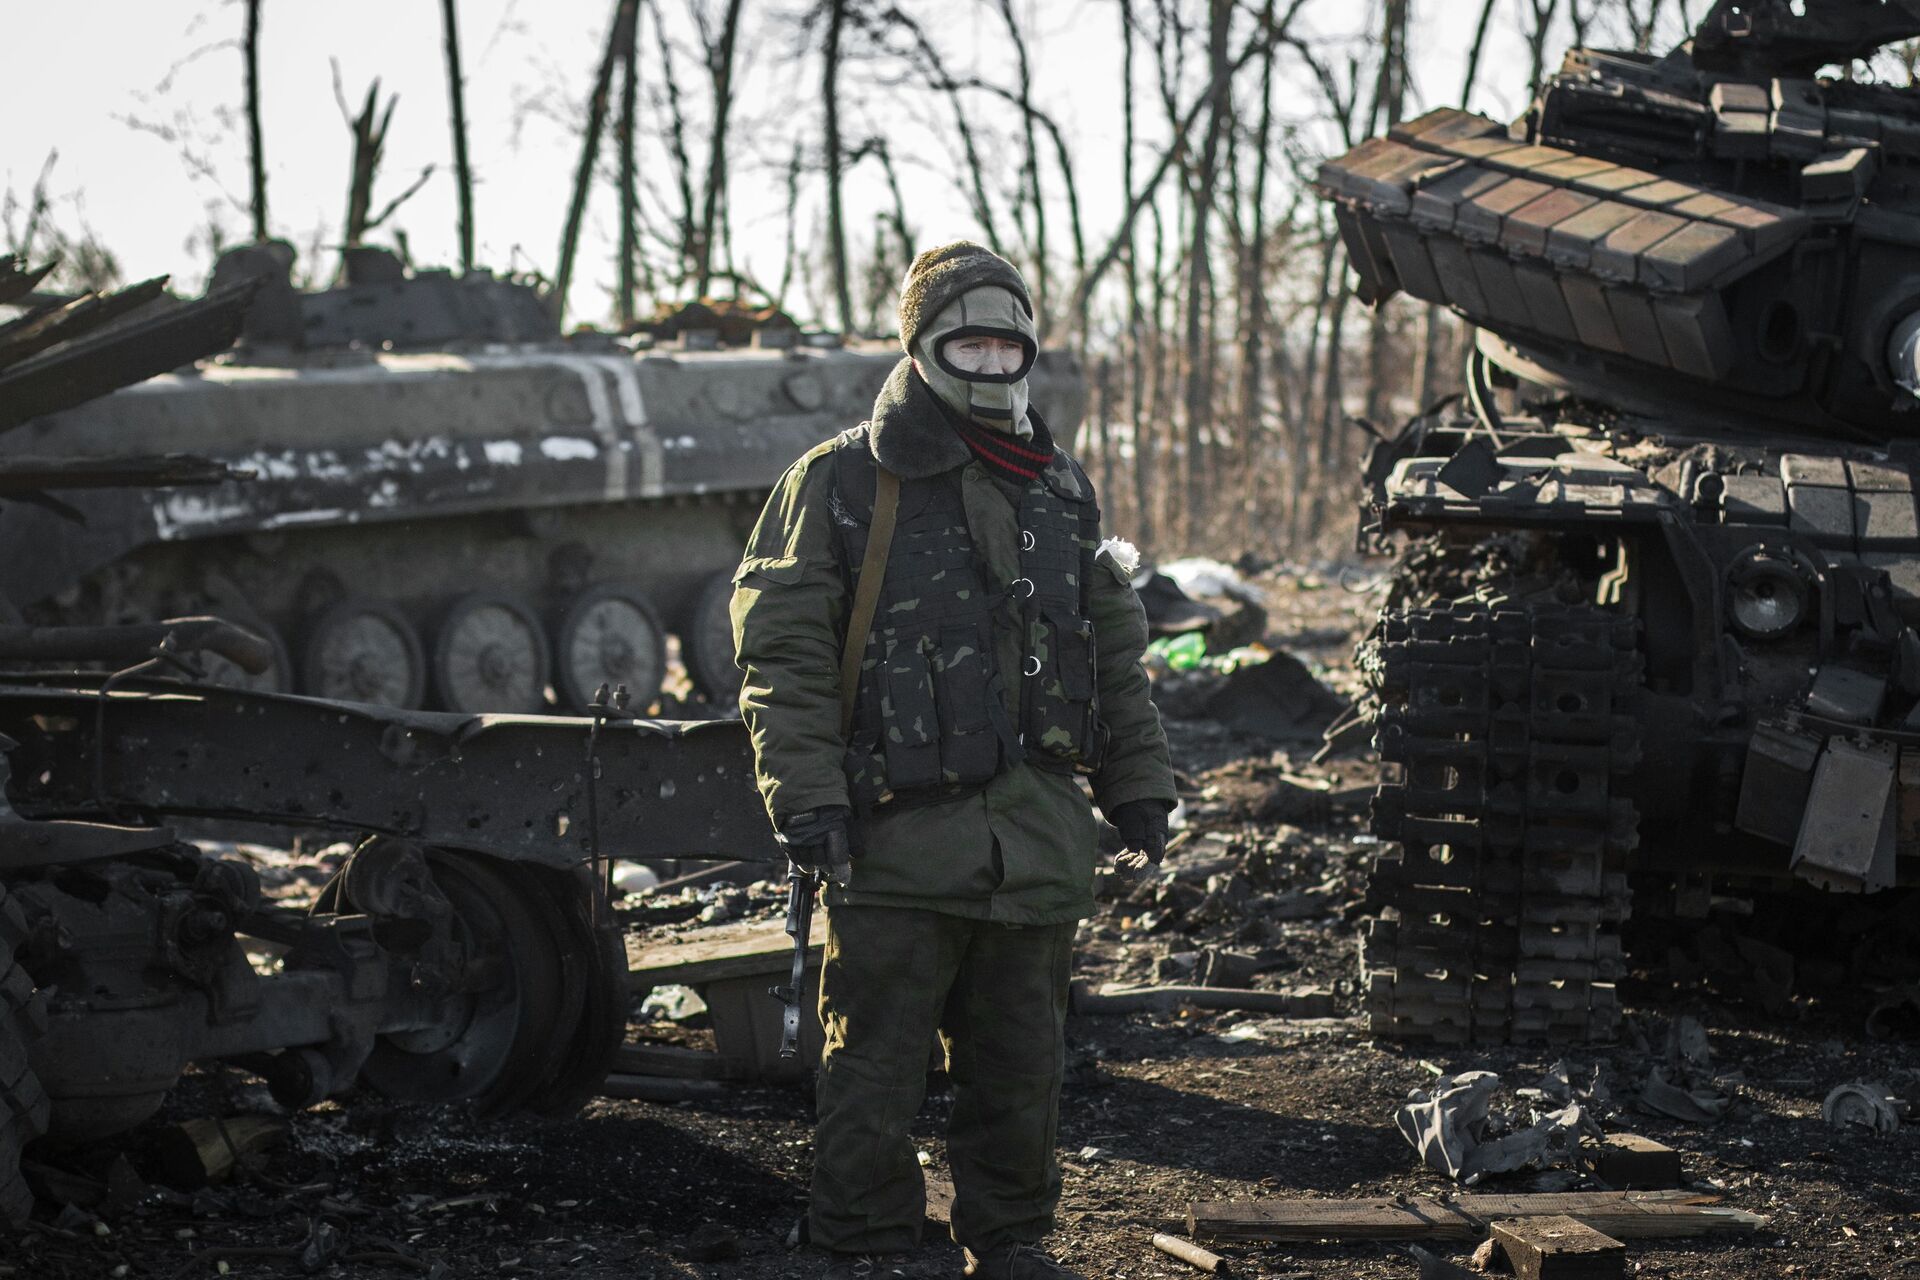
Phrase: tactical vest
pixel 930 720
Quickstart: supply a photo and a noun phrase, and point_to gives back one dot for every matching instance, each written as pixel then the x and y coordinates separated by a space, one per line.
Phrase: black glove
pixel 817 840
pixel 1143 835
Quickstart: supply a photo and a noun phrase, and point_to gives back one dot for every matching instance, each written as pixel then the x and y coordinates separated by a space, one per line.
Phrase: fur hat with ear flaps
pixel 942 274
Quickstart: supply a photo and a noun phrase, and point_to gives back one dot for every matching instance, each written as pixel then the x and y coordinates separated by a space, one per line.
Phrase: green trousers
pixel 997 995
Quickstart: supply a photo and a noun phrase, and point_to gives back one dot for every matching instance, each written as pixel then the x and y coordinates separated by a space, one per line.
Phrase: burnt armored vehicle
pixel 452 504
pixel 1658 617
pixel 464 951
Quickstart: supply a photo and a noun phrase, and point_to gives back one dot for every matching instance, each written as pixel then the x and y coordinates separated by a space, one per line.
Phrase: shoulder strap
pixel 866 595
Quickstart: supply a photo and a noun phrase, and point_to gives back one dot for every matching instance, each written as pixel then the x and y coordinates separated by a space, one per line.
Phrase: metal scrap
pixel 1456 1132
pixel 1863 1104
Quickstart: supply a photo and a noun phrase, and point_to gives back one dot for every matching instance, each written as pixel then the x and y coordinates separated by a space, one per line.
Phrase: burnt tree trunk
pixel 1390 96
pixel 1200 362
pixel 256 146
pixel 720 71
pixel 618 38
pixel 836 219
pixel 457 109
pixel 628 141
pixel 1253 294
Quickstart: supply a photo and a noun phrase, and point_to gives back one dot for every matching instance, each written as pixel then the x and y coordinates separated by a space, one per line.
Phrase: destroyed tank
pixel 449 503
pixel 464 952
pixel 1653 629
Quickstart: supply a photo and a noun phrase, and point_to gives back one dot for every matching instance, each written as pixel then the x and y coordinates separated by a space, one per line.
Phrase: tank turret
pixel 1656 626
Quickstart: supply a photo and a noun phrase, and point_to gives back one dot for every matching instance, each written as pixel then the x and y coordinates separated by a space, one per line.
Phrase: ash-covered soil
pixel 1159 1109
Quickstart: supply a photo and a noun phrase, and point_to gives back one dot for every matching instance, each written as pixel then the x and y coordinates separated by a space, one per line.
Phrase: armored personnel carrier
pixel 464 951
pixel 1655 617
pixel 451 504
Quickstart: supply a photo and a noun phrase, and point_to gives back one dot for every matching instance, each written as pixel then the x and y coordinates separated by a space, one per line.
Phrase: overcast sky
pixel 109 74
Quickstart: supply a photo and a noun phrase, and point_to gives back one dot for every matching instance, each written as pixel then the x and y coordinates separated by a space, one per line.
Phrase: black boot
pixel 1017 1262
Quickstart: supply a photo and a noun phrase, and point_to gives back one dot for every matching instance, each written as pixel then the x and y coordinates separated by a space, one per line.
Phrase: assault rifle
pixel 802 883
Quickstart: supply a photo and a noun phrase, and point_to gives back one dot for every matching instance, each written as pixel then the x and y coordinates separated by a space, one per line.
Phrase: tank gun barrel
pixel 1783 38
pixel 236 644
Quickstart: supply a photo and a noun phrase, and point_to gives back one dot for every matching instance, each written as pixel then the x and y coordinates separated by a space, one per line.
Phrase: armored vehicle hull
pixel 1653 631
pixel 467 527
pixel 464 951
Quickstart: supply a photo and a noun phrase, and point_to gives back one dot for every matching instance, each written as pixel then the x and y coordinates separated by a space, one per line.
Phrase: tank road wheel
pixel 491 655
pixel 545 1006
pixel 1516 733
pixel 706 646
pixel 610 635
pixel 23 1103
pixel 363 650
pixel 277 678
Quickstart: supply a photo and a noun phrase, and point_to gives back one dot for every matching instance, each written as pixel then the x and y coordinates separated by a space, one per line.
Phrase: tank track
pixel 1506 889
pixel 23 1102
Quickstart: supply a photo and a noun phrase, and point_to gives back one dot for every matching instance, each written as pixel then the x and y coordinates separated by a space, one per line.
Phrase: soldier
pixel 938 648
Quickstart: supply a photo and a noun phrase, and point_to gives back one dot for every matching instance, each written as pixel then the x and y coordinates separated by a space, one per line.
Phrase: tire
pixel 706 645
pixel 610 634
pixel 544 1040
pixel 364 650
pixel 490 655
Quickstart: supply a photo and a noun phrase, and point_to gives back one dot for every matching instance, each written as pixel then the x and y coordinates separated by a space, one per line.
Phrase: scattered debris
pixel 1189 1252
pixel 1896 1015
pixel 205 1150
pixel 1274 696
pixel 1863 1105
pixel 1452 1126
pixel 1434 1267
pixel 1625 1215
pixel 1225 605
pixel 1683 1088
pixel 1559 1248
pixel 1299 1002
pixel 1695 1106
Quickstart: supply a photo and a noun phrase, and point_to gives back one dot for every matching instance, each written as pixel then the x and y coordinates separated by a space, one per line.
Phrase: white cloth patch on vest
pixel 1125 556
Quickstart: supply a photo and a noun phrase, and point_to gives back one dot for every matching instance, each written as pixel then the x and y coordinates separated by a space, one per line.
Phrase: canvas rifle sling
pixel 866 596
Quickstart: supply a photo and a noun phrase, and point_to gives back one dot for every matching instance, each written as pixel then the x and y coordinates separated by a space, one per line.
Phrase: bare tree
pixel 369 128
pixel 628 139
pixel 619 36
pixel 935 68
pixel 836 220
pixel 457 105
pixel 256 146
pixel 1390 95
pixel 1036 199
pixel 1199 397
pixel 719 46
pixel 677 153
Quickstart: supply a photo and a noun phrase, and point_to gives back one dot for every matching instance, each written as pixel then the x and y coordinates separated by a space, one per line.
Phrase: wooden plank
pixel 1626 1215
pixel 1301 1220
pixel 1559 1248
pixel 679 1062
pixel 1190 1253
pixel 1630 1162
pixel 717 953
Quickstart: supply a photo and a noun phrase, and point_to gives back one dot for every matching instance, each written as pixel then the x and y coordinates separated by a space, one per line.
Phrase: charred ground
pixel 1158 1111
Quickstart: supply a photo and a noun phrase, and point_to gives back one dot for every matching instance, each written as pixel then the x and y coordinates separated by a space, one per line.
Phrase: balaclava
pixel 955 291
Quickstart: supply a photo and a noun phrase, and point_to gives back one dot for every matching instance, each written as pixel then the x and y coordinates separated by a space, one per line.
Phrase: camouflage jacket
pixel 1020 850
